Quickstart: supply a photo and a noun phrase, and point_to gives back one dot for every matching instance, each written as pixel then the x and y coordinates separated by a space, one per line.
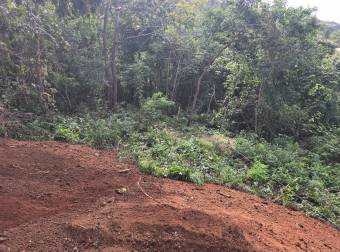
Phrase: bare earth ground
pixel 60 197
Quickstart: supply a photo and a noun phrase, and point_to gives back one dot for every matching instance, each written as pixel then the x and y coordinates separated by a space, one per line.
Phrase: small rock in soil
pixel 122 190
pixel 300 225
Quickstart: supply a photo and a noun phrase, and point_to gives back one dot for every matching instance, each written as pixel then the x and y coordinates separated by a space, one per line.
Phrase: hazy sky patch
pixel 328 10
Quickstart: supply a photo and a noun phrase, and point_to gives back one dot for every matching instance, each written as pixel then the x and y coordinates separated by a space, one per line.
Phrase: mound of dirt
pixel 60 197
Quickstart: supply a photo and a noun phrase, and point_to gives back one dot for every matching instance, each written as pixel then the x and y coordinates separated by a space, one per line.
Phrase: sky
pixel 328 10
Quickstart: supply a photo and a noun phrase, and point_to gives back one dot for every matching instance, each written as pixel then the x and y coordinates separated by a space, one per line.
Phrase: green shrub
pixel 156 105
pixel 70 135
pixel 147 166
pixel 326 145
pixel 197 177
pixel 179 172
pixel 258 172
pixel 153 168
pixel 292 175
pixel 102 133
pixel 2 131
pixel 232 176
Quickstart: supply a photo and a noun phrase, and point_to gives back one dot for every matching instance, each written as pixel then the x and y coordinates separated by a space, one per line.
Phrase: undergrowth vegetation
pixel 302 177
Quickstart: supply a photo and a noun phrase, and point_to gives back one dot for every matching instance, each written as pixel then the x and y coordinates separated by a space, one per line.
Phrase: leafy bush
pixel 67 135
pixel 293 176
pixel 280 170
pixel 97 132
pixel 68 131
pixel 101 133
pixel 258 172
pixel 197 177
pixel 179 172
pixel 33 129
pixel 326 145
pixel 2 131
pixel 156 105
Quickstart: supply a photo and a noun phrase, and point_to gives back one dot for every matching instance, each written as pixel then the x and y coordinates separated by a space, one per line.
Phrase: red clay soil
pixel 60 197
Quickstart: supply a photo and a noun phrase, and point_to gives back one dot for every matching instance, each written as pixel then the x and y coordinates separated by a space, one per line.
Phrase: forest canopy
pixel 256 66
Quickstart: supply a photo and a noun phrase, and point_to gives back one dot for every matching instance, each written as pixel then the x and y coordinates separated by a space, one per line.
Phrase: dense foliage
pixel 243 93
pixel 302 177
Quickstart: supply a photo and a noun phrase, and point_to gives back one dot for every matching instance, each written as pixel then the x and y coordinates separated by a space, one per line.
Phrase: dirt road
pixel 60 197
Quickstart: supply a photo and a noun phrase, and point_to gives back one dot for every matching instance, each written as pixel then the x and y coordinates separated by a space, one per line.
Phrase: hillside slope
pixel 60 197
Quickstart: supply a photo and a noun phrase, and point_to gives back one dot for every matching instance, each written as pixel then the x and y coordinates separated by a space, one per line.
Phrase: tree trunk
pixel 107 66
pixel 198 88
pixel 174 90
pixel 114 52
pixel 257 108
pixel 213 96
pixel 199 82
pixel 68 99
pixel 39 68
pixel 168 77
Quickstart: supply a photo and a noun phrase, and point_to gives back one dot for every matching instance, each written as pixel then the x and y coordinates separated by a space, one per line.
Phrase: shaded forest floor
pixel 61 197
